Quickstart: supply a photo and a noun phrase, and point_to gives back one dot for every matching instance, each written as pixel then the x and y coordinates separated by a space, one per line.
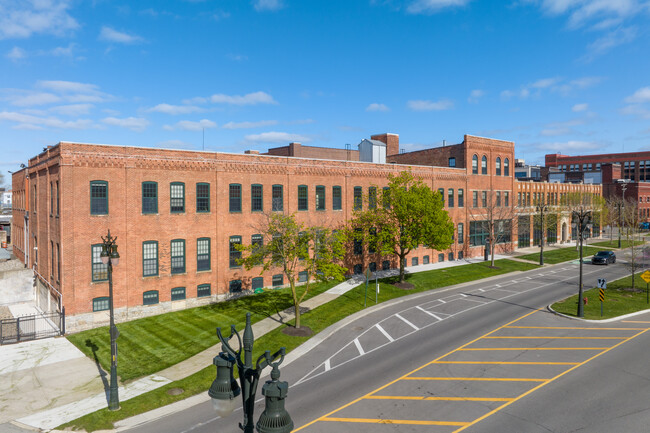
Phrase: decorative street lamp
pixel 110 257
pixel 224 389
pixel 541 208
pixel 582 220
pixel 623 183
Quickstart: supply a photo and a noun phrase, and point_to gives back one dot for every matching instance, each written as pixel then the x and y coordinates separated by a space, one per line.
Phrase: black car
pixel 603 258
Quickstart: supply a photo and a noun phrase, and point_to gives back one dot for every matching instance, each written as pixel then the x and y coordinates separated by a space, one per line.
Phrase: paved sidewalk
pixel 46 405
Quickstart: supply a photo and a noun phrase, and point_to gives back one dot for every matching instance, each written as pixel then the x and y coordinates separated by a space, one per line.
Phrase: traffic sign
pixel 601 295
pixel 602 283
pixel 646 276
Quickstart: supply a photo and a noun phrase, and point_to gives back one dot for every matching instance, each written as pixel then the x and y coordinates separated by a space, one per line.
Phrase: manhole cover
pixel 175 391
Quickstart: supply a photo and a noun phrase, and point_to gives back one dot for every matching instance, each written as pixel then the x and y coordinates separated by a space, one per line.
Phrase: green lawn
pixel 562 255
pixel 154 343
pixel 614 243
pixel 619 300
pixel 317 319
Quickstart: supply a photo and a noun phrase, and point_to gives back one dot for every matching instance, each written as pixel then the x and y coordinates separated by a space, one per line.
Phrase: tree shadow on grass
pixel 102 374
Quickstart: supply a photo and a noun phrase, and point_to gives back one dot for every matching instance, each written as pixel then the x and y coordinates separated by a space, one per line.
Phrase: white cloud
pixel 23 18
pixel 112 35
pixel 424 105
pixel 173 109
pixel 16 53
pixel 545 83
pixel 433 6
pixel 611 40
pixel 606 12
pixel 68 86
pixel 636 110
pixel 507 95
pixel 32 99
pixel 249 125
pixel 267 5
pixel 640 96
pixel 377 107
pixel 277 137
pixel 580 107
pixel 475 95
pixel 72 109
pixel 137 124
pixel 63 51
pixel 248 99
pixel 188 125
pixel 569 146
pixel 555 132
pixel 26 121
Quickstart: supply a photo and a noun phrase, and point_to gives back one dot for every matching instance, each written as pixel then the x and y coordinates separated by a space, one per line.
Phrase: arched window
pixel 484 165
pixel 475 164
pixel 506 167
pixel 498 166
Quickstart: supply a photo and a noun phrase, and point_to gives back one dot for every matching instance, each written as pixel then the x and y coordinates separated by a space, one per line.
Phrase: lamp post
pixel 623 183
pixel 582 219
pixel 224 389
pixel 110 256
pixel 541 208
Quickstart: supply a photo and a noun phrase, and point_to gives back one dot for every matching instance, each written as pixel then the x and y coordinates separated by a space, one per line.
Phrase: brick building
pixel 177 214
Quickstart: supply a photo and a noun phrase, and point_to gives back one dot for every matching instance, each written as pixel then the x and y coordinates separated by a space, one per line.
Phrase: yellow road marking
pixel 411 372
pixel 394 421
pixel 408 397
pixel 482 379
pixel 557 338
pixel 507 362
pixel 575 327
pixel 533 348
pixel 547 382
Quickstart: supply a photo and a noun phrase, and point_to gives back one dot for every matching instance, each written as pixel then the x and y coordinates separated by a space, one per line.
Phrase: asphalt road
pixel 335 386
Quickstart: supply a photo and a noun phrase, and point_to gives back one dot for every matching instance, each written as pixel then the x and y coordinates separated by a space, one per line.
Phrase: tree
pixel 306 252
pixel 401 217
pixel 492 215
pixel 631 223
pixel 580 201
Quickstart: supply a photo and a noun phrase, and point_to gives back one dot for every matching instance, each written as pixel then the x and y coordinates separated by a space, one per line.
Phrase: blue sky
pixel 568 76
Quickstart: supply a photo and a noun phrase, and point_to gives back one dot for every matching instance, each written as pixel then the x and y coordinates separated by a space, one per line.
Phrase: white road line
pixel 497 285
pixel 359 348
pixel 481 290
pixel 429 313
pixel 386 334
pixel 327 365
pixel 442 301
pixel 463 295
pixel 407 322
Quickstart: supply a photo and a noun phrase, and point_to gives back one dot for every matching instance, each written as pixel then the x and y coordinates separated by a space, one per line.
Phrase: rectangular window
pixel 450 256
pixel 234 191
pixel 478 233
pixel 386 197
pixel 461 234
pixel 203 254
pixel 278 198
pixel 257 283
pixel 150 297
pixel 358 242
pixel 98 197
pixel 461 198
pixel 474 198
pixel 425 260
pixel 178 256
pixel 452 162
pixel 149 258
pixel 58 199
pixel 450 197
pixel 320 197
pixel 58 262
pixel 358 198
pixel 101 304
pixel 303 197
pixel 441 191
pixel 336 198
pixel 203 290
pixel 484 198
pixel 149 197
pixel 178 293
pixel 257 204
pixel 234 286
pixel 372 197
pixel 414 261
pixel 372 266
pixel 302 276
pixel 278 280
pixel 203 197
pixel 235 254
pixel 506 198
pixel 100 270
pixel 177 197
pixel 441 257
pixel 372 244
pixel 519 199
pixel 385 265
pixel 498 193
pixel 51 199
pixel 51 260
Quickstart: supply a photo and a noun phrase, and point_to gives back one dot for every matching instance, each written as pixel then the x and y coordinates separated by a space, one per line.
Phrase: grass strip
pixel 553 257
pixel 625 243
pixel 154 343
pixel 317 319
pixel 620 299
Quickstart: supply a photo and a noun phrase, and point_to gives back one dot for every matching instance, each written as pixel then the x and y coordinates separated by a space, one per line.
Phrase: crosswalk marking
pixel 386 334
pixel 407 322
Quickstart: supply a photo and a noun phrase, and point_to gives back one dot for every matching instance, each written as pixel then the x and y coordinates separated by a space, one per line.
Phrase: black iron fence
pixel 33 327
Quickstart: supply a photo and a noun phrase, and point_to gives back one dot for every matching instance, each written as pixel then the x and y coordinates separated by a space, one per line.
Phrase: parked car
pixel 603 258
pixel 644 225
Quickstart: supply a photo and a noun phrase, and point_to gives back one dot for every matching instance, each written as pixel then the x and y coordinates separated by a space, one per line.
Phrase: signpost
pixel 646 278
pixel 368 273
pixel 602 285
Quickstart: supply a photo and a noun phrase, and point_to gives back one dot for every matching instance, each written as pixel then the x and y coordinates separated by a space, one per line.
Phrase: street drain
pixel 175 391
